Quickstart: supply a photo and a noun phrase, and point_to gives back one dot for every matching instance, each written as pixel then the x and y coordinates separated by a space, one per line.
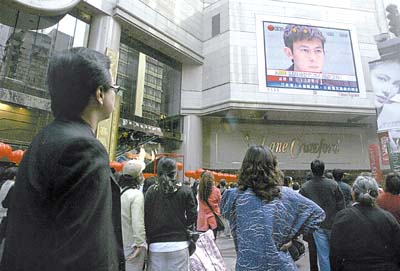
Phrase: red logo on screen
pixel 270 27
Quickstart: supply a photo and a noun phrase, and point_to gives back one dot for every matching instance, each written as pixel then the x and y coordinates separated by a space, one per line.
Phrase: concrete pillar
pixel 140 85
pixel 105 32
pixel 192 142
pixel 105 35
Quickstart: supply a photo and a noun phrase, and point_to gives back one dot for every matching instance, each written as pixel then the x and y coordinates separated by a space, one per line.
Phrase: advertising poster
pixel 306 57
pixel 385 79
pixel 393 146
pixel 383 141
pixel 374 162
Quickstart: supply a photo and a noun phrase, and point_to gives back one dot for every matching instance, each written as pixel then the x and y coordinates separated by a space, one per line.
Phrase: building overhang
pixel 23 99
pixel 154 38
pixel 34 14
pixel 299 116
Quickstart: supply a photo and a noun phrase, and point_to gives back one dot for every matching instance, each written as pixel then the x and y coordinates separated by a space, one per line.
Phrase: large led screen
pixel 306 57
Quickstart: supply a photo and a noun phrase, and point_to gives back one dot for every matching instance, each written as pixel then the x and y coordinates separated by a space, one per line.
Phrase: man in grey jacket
pixel 327 194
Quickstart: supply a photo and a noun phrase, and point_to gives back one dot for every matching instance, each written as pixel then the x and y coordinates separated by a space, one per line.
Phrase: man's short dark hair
pixel 287 180
pixel 9 173
pixel 294 32
pixel 73 76
pixel 393 183
pixel 337 174
pixel 317 167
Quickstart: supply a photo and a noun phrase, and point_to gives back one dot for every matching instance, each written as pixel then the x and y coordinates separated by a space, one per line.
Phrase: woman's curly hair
pixel 205 186
pixel 259 172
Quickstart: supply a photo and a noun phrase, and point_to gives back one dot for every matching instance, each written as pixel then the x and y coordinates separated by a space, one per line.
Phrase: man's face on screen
pixel 308 55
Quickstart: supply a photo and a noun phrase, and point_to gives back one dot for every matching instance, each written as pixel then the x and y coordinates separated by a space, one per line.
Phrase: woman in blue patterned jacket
pixel 264 216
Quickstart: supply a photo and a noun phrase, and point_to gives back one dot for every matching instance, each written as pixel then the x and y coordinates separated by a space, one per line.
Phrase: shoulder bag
pixel 297 249
pixel 220 223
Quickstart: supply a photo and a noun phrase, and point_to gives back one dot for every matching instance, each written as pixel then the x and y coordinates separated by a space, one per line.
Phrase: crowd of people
pixel 67 211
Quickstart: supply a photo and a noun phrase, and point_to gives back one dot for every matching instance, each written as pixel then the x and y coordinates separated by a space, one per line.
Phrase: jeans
pixel 322 238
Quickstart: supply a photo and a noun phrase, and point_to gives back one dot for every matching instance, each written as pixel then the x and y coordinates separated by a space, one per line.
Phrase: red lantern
pixel 198 173
pixel 16 156
pixel 120 167
pixel 220 176
pixel 116 165
pixel 5 150
pixel 113 164
pixel 190 173
pixel 179 165
pixel 148 175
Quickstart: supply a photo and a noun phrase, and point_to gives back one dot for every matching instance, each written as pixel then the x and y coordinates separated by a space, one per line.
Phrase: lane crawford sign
pixel 297 147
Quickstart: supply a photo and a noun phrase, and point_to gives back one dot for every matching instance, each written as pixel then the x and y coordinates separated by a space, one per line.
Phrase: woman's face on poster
pixel 385 80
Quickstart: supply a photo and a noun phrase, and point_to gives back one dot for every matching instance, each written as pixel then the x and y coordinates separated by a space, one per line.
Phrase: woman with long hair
pixel 365 237
pixel 209 197
pixel 265 216
pixel 169 212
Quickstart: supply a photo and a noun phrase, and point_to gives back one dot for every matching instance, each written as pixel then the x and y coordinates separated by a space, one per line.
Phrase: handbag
pixel 218 219
pixel 207 256
pixel 193 236
pixel 220 223
pixel 297 249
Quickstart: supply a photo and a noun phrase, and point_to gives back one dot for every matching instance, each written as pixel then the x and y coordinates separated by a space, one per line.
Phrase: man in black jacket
pixel 327 194
pixel 169 210
pixel 344 187
pixel 65 212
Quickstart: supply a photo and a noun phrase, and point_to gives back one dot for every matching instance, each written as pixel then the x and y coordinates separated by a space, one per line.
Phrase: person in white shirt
pixel 132 215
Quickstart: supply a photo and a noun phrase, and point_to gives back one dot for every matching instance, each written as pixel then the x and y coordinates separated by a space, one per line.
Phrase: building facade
pixel 190 75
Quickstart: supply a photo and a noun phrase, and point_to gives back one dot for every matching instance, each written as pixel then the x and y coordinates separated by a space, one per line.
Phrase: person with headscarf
pixel 170 210
pixel 132 215
pixel 264 216
pixel 365 237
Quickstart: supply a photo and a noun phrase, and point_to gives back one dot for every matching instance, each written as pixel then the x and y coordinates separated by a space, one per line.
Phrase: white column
pixel 105 32
pixel 105 37
pixel 192 142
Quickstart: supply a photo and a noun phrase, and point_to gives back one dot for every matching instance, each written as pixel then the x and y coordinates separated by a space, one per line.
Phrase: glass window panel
pixel 25 53
pixel 161 86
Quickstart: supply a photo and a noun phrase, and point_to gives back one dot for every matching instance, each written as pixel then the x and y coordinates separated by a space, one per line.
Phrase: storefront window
pixel 24 56
pixel 151 84
pixel 25 53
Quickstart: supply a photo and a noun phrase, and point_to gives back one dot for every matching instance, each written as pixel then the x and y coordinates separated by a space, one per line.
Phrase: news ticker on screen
pixel 311 81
